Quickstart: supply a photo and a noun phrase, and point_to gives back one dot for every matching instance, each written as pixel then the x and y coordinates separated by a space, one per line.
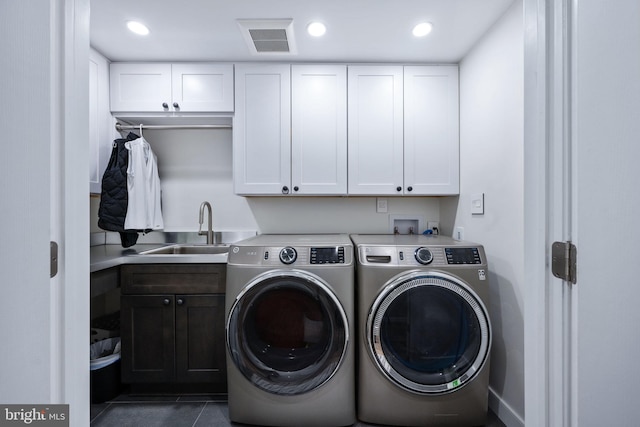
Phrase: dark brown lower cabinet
pixel 173 337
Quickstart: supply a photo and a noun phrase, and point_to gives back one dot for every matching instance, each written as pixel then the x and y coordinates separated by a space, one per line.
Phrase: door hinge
pixel 563 261
pixel 53 259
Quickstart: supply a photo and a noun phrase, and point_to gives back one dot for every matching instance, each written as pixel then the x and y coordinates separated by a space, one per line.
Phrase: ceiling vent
pixel 268 36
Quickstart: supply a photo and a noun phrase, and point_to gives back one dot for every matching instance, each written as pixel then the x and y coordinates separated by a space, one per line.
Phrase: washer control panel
pixel 295 256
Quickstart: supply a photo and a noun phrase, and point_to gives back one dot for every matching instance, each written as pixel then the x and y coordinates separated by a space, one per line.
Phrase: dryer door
pixel 429 332
pixel 287 332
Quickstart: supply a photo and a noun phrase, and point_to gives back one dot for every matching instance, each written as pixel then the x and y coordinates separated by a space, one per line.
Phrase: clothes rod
pixel 120 127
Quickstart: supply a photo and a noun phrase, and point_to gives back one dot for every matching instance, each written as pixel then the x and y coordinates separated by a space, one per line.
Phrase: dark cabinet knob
pixel 285 190
pixel 295 188
pixel 180 301
pixel 398 188
pixel 176 105
pixel 166 301
pixel 165 105
pixel 409 188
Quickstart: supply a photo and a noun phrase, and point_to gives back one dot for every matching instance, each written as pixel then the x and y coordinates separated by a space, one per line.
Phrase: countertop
pixel 107 252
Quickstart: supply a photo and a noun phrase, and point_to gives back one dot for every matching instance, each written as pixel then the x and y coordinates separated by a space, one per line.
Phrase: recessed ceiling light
pixel 316 29
pixel 422 29
pixel 138 28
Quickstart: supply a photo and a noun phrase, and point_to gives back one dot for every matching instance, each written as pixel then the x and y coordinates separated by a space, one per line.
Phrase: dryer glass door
pixel 429 333
pixel 287 332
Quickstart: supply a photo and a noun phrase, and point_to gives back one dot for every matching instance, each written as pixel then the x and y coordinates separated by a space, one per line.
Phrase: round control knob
pixel 423 256
pixel 288 255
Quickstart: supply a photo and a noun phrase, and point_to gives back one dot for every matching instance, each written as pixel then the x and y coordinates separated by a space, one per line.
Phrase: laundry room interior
pixel 196 165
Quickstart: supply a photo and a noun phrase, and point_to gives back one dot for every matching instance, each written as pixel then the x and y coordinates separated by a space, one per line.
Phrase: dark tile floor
pixel 177 411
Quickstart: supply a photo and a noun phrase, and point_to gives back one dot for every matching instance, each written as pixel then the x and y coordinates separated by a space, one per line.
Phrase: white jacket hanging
pixel 144 210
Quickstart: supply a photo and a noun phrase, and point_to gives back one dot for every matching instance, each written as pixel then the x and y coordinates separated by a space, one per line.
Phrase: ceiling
pixel 357 30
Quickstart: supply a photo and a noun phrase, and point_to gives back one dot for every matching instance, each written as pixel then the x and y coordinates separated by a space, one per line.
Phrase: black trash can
pixel 105 370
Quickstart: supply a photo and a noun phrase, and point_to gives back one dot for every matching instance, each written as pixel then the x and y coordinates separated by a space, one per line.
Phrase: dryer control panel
pixel 432 256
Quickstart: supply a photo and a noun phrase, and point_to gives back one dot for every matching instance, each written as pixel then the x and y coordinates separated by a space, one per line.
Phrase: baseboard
pixel 505 412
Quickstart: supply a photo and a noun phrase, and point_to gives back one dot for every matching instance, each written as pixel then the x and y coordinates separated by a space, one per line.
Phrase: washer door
pixel 287 332
pixel 429 332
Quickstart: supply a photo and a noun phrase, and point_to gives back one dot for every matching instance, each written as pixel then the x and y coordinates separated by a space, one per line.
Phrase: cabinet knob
pixel 398 188
pixel 295 188
pixel 176 105
pixel 409 188
pixel 165 105
pixel 285 190
pixel 180 301
pixel 166 301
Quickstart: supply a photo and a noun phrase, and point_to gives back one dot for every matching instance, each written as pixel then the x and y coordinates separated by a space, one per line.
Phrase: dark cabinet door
pixel 200 342
pixel 148 338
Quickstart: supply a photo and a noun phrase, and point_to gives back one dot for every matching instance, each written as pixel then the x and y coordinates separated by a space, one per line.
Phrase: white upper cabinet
pixel 375 130
pixel 162 88
pixel 319 129
pixel 101 124
pixel 431 130
pixel 262 129
pixel 290 130
pixel 403 130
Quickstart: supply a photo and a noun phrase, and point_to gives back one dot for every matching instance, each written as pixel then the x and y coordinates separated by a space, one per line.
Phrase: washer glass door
pixel 287 332
pixel 429 332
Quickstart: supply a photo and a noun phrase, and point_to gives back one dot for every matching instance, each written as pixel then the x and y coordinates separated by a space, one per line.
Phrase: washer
pixel 290 304
pixel 424 331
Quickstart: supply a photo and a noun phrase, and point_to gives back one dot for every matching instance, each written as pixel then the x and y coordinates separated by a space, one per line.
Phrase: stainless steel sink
pixel 188 249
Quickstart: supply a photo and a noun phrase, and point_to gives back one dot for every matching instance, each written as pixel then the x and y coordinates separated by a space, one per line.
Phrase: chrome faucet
pixel 209 232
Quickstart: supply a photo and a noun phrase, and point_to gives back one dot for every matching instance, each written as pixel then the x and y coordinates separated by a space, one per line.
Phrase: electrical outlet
pixel 458 234
pixel 434 226
pixel 381 205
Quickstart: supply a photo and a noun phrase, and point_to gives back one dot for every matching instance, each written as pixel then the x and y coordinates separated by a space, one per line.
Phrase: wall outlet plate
pixel 381 205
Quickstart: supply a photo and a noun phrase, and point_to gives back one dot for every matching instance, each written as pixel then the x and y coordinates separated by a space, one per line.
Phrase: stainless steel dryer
pixel 424 331
pixel 290 303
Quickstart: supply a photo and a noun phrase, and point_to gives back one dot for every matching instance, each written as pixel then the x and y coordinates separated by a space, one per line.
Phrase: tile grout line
pixel 200 414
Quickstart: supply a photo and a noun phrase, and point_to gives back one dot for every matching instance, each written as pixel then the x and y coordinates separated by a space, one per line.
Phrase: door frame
pixel 69 214
pixel 548 56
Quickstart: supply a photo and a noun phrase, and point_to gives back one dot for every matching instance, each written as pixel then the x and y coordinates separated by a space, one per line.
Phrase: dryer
pixel 290 303
pixel 424 330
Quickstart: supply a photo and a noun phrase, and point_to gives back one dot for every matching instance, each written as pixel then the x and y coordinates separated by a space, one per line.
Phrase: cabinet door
pixel 431 130
pixel 202 87
pixel 147 338
pixel 375 129
pixel 140 87
pixel 262 129
pixel 200 339
pixel 319 129
pixel 101 123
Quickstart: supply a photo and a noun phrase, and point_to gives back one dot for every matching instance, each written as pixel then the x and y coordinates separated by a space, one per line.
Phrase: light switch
pixel 477 204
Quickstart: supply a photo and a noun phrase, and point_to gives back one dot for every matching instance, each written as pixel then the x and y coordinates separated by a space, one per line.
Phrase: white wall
pixel 491 162
pixel 195 165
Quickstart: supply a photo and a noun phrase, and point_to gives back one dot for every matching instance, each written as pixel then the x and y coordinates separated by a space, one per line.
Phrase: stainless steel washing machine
pixel 424 331
pixel 290 303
